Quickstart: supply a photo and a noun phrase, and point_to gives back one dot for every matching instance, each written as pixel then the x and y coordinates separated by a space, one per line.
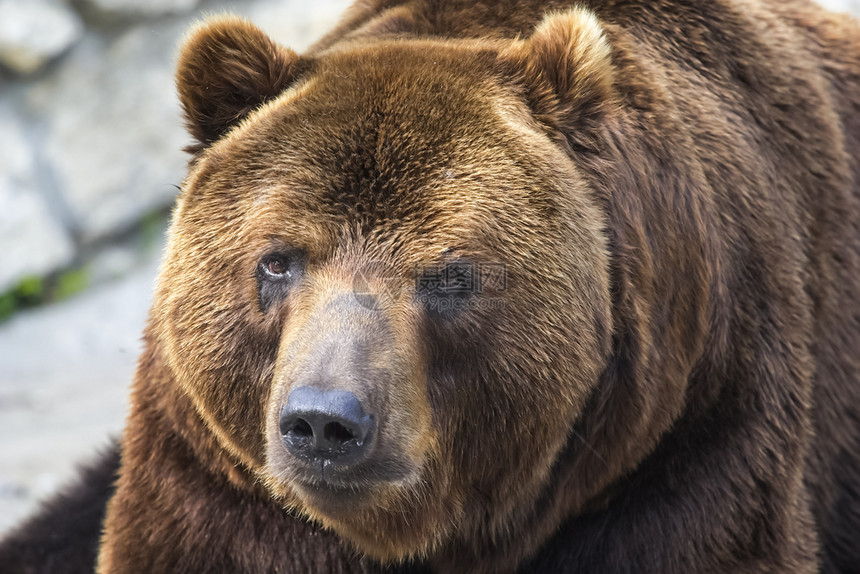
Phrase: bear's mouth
pixel 333 489
pixel 321 474
pixel 332 499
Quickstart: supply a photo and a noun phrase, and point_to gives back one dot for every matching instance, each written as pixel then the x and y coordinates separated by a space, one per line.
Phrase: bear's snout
pixel 346 412
pixel 329 425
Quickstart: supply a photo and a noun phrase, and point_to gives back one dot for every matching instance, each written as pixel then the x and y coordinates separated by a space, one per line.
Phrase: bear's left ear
pixel 567 71
pixel 227 67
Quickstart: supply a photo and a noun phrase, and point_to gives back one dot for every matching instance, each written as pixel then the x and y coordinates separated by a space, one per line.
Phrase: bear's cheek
pixel 508 381
pixel 218 351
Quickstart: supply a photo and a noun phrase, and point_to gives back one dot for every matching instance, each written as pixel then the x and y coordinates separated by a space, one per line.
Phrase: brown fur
pixel 672 383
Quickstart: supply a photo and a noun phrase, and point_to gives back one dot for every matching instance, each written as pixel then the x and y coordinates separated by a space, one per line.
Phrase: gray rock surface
pixel 34 241
pixel 32 32
pixel 64 376
pixel 292 24
pixel 114 132
pixel 140 8
pixel 841 5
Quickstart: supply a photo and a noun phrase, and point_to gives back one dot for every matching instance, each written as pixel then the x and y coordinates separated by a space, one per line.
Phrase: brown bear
pixel 492 287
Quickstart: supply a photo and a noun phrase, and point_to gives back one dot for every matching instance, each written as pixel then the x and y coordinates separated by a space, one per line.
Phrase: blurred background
pixel 90 162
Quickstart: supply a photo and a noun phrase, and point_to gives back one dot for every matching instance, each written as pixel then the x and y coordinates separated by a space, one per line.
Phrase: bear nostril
pixel 337 433
pixel 301 428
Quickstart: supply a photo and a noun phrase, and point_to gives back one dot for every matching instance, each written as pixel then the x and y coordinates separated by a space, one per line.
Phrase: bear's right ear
pixel 567 71
pixel 227 67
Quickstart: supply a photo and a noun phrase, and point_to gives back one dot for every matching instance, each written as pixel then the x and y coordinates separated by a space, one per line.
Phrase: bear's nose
pixel 331 425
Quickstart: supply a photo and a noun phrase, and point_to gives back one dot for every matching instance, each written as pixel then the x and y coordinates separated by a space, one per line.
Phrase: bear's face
pixel 387 288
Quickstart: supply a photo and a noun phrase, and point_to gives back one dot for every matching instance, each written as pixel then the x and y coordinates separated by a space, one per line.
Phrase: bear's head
pixel 389 288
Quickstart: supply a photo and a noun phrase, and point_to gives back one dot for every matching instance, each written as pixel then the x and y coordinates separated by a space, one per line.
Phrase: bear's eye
pixel 276 274
pixel 276 267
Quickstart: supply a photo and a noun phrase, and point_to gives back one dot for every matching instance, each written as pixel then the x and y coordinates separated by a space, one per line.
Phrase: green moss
pixel 33 291
pixel 28 292
pixel 70 283
pixel 7 305
pixel 31 288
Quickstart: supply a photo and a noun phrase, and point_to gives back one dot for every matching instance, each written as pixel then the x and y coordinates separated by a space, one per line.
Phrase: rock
pixel 841 5
pixel 64 375
pixel 32 240
pixel 113 129
pixel 293 24
pixel 138 8
pixel 114 133
pixel 32 32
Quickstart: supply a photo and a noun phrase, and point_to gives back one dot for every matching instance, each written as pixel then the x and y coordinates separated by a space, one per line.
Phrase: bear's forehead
pixel 406 108
pixel 392 137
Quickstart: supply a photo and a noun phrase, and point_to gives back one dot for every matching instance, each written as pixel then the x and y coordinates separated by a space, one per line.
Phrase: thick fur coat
pixel 666 381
